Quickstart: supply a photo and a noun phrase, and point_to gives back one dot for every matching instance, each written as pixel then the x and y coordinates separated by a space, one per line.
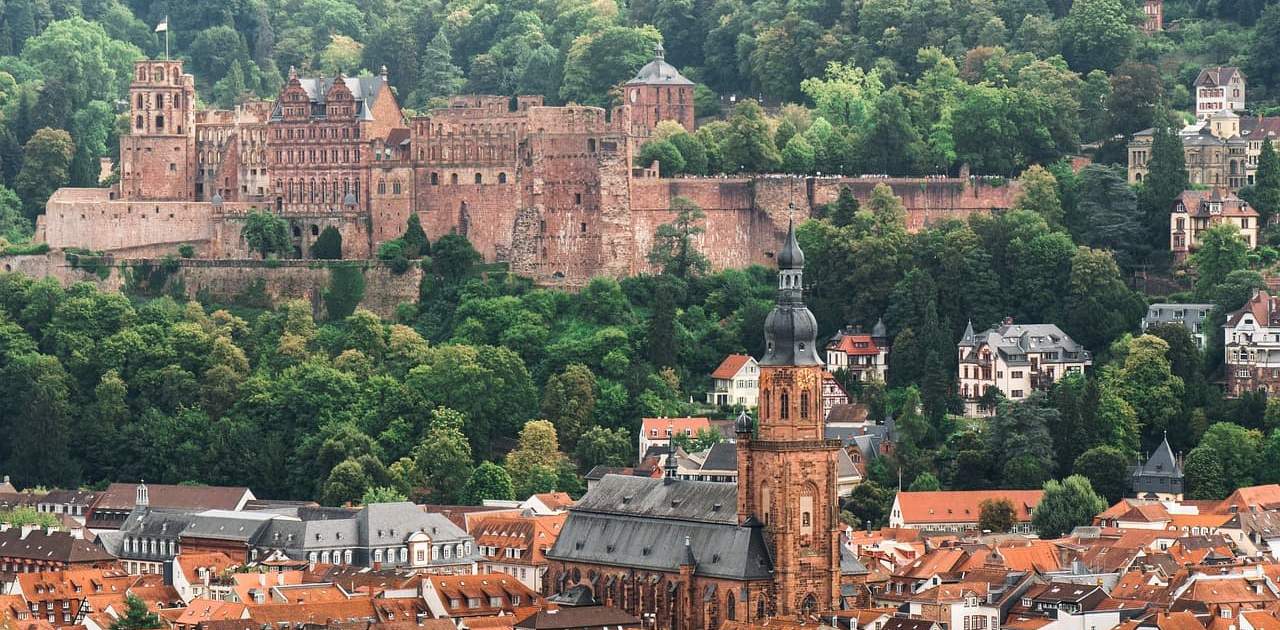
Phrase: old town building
pixel 735 382
pixel 379 535
pixel 766 546
pixel 517 545
pixel 1195 211
pixel 30 549
pixel 1221 88
pixel 1016 359
pixel 957 511
pixel 1189 316
pixel 1219 150
pixel 1251 339
pixel 864 357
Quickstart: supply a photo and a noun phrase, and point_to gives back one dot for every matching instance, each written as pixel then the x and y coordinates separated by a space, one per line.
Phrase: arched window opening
pixel 783 403
pixel 804 405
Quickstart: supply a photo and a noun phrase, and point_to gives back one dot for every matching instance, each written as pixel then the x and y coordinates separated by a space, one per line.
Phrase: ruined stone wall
pixel 928 200
pixel 391 200
pixel 225 280
pixel 90 219
pixel 734 231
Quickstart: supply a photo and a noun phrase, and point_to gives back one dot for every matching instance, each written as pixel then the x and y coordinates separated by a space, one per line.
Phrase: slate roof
pixel 1160 473
pixel 1165 313
pixel 659 72
pixel 1015 341
pixel 721 456
pixel 364 90
pixel 586 617
pixel 632 522
pixel 1217 76
pixel 56 546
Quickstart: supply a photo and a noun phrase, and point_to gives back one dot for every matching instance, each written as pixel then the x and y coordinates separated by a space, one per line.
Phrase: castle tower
pixel 157 158
pixel 786 467
pixel 657 93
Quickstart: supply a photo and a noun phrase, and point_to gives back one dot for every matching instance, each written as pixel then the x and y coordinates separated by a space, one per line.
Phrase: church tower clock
pixel 786 468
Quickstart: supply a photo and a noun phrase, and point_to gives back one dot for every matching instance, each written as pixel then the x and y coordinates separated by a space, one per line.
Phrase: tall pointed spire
pixel 969 337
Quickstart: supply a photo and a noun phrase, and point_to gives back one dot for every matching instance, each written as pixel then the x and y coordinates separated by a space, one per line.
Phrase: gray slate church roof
pixel 642 523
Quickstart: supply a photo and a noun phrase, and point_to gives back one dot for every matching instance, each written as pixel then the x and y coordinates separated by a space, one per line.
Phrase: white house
pixel 735 382
pixel 1219 88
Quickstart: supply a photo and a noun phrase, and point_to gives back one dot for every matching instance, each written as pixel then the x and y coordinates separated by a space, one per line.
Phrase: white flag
pixel 163 26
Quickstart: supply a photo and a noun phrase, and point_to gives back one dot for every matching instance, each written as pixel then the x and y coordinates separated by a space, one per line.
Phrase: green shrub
pixel 187 250
pixel 328 246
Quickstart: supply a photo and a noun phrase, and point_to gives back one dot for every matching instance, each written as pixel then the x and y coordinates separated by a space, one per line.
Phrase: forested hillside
pixel 890 86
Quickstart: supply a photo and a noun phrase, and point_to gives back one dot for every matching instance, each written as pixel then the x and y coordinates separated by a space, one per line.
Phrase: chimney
pixel 262 579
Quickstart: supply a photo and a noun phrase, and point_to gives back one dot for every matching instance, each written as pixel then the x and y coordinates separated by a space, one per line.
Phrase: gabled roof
pixel 123 496
pixel 854 344
pixel 1217 76
pixel 569 618
pixel 642 523
pixel 50 546
pixel 962 506
pixel 677 425
pixel 365 90
pixel 1252 498
pixel 731 365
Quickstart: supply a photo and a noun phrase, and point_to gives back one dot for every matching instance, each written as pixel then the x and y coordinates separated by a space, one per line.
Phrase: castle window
pixel 159 101
pixel 479 178
pixel 583 228
pixel 804 405
pixel 577 198
pixel 160 122
pixel 435 179
pixel 764 401
pixel 783 403
pixel 453 178
pixel 139 101
pixel 502 178
pixel 395 187
pixel 382 187
pixel 139 123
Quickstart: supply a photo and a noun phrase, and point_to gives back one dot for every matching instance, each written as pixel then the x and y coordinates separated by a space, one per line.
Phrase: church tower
pixel 786 467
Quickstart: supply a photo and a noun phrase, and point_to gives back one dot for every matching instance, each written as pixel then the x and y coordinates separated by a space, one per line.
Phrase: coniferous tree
pixel 1166 179
pixel 437 74
pixel 1265 197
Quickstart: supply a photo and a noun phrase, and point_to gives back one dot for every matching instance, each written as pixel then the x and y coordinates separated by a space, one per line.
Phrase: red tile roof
pixel 730 366
pixel 855 345
pixel 961 506
pixel 678 425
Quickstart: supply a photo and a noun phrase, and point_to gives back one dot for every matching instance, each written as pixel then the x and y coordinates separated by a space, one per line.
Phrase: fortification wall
pixel 225 280
pixel 88 218
pixel 54 265
pixel 928 200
